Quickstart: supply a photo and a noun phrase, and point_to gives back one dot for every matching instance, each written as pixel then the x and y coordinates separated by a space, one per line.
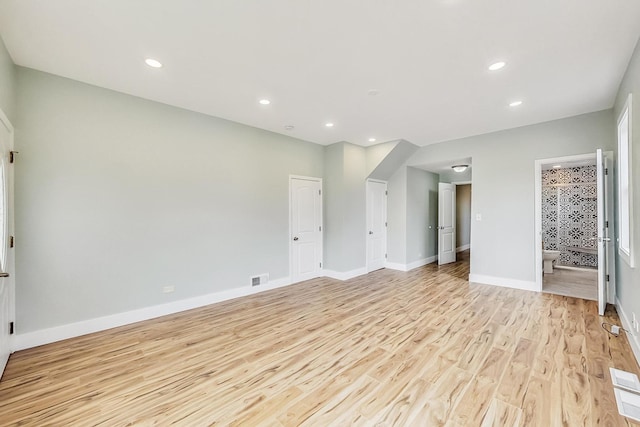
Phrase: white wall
pixel 118 196
pixel 628 279
pixel 503 186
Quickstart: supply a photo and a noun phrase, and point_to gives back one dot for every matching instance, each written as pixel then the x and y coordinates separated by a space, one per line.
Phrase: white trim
pixel 411 265
pixel 628 257
pixel 463 248
pixel 72 330
pixel 633 339
pixel 314 179
pixel 504 282
pixel 10 230
pixel 346 275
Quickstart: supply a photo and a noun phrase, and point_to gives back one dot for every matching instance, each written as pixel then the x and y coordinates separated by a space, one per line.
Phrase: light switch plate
pixel 625 380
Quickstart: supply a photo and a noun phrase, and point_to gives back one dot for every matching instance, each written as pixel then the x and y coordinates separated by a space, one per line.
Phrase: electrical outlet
pixel 168 289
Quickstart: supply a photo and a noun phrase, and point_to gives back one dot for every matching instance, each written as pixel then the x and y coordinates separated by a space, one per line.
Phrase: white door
pixel 446 223
pixel 6 227
pixel 605 245
pixel 376 224
pixel 306 228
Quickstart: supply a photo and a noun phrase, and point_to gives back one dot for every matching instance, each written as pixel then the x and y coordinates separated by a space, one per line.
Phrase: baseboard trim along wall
pixel 63 332
pixel 504 282
pixel 634 340
pixel 411 265
pixel 346 275
pixel 463 248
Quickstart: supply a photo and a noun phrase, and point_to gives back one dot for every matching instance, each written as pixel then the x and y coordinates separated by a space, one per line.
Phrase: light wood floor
pixel 581 283
pixel 423 348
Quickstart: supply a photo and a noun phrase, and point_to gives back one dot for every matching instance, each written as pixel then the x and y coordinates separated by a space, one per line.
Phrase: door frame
pixel 611 287
pixel 10 230
pixel 289 234
pixel 386 186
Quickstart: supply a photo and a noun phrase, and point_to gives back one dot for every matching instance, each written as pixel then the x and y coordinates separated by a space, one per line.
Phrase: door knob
pixel 295 239
pixel 370 232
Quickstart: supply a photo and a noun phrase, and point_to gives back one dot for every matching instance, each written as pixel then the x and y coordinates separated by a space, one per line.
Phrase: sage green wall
pixel 503 184
pixel 422 213
pixel 118 196
pixel 345 207
pixel 628 279
pixel 7 83
pixel 397 217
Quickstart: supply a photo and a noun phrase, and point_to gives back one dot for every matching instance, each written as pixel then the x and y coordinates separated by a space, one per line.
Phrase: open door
pixel 605 260
pixel 376 224
pixel 7 280
pixel 446 223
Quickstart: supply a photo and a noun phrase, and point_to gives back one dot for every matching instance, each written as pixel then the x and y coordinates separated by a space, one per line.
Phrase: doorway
pixel 305 223
pixel 574 252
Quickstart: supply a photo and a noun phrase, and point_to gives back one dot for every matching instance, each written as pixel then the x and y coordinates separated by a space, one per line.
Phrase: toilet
pixel 549 258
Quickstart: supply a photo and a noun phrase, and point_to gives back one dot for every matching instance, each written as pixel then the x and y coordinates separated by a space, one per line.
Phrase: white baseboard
pixel 346 275
pixel 504 282
pixel 634 340
pixel 411 265
pixel 463 248
pixel 71 330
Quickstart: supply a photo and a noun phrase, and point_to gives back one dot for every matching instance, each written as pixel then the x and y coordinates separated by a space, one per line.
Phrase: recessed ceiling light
pixel 373 92
pixel 459 168
pixel 515 103
pixel 372 140
pixel 264 102
pixel 497 65
pixel 289 127
pixel 154 63
pixel 329 125
pixel 556 166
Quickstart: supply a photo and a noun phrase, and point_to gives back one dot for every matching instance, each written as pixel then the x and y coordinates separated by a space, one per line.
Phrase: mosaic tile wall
pixel 570 215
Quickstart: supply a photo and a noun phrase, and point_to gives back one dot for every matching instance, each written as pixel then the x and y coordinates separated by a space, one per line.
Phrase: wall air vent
pixel 260 279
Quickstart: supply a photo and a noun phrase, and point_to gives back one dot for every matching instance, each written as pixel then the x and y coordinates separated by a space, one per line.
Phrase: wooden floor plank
pixel 389 348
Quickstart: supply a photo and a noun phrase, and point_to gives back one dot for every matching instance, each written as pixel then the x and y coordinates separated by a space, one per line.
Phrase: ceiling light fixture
pixel 264 102
pixel 496 66
pixel 556 166
pixel 153 63
pixel 372 140
pixel 329 125
pixel 459 168
pixel 373 92
pixel 515 103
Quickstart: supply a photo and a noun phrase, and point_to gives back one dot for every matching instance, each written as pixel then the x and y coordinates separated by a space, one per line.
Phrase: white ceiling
pixel 317 60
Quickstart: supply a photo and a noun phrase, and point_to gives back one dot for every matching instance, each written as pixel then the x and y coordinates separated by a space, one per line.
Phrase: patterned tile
pixel 569 214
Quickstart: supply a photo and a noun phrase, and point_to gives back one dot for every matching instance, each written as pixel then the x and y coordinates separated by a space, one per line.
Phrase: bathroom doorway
pixel 572 236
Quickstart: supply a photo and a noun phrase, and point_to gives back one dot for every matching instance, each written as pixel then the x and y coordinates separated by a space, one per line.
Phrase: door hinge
pixel 607 278
pixel 320 265
pixel 606 224
pixel 12 155
pixel 386 193
pixel 385 224
pixel 320 228
pixel 385 255
pixel 10 328
pixel 12 242
pixel 319 192
pixel 606 171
